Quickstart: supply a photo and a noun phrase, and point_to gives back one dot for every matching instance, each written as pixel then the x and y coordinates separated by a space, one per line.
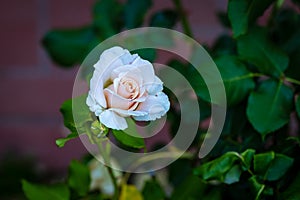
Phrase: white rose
pixel 125 85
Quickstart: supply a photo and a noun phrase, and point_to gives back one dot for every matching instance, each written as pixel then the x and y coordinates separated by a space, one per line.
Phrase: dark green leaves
pixel 278 167
pixel 292 192
pixel 257 187
pixel 228 168
pixel 79 178
pixel 164 19
pixel 298 105
pixel 247 158
pixel 68 47
pixel 255 48
pixel 190 188
pixel 135 11
pixel 237 79
pixel 270 166
pixel 221 169
pixel 242 13
pixel 269 106
pixel 49 192
pixel 76 114
pixel 107 17
pixel 262 161
pixel 128 140
pixel 153 190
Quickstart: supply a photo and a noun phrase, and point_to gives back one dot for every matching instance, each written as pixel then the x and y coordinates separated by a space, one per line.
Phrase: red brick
pixel 38 139
pixel 18 33
pixel 70 13
pixel 41 96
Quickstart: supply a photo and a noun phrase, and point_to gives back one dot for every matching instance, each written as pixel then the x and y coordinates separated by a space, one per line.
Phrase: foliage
pixel 257 153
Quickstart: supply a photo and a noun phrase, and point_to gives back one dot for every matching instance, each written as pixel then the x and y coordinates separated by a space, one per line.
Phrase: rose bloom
pixel 125 85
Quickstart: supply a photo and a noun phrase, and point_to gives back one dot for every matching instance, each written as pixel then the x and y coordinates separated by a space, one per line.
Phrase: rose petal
pixel 93 106
pixel 130 71
pixel 155 105
pixel 127 113
pixel 155 87
pixel 114 100
pixel 139 68
pixel 109 60
pixel 112 120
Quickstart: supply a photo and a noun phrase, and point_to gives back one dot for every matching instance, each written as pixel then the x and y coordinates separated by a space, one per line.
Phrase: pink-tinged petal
pixel 112 120
pixel 155 105
pixel 116 101
pixel 129 71
pixel 109 60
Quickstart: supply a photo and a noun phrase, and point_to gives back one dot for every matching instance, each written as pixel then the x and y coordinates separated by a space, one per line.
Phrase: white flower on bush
pixel 100 178
pixel 125 85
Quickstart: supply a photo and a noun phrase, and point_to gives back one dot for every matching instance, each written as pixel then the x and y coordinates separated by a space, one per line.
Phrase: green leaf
pixel 218 168
pixel 262 162
pixel 68 47
pixel 49 192
pixel 292 192
pixel 62 141
pixel 176 178
pixel 135 11
pixel 270 166
pixel 255 48
pixel 243 13
pixel 190 188
pixel 257 187
pixel 248 156
pixel 224 45
pixel 108 18
pixel 233 175
pixel 153 190
pixel 128 140
pixel 147 54
pixel 298 105
pixel 165 19
pixel 237 79
pixel 269 106
pixel 76 113
pixel 79 178
pixel 278 167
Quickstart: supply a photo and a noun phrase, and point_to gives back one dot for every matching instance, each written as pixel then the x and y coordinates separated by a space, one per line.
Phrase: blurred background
pixel 33 87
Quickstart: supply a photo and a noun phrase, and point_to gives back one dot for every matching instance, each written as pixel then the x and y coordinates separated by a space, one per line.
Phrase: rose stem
pixel 107 162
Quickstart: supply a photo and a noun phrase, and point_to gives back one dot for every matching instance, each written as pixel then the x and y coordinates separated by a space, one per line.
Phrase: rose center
pixel 128 88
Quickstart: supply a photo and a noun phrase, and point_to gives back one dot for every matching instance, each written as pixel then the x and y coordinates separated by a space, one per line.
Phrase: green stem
pixel 257 75
pixel 114 180
pixel 185 24
pixel 291 80
pixel 106 160
pixel 161 155
pixel 109 169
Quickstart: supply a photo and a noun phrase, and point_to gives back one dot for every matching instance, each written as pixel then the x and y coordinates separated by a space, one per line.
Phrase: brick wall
pixel 33 88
